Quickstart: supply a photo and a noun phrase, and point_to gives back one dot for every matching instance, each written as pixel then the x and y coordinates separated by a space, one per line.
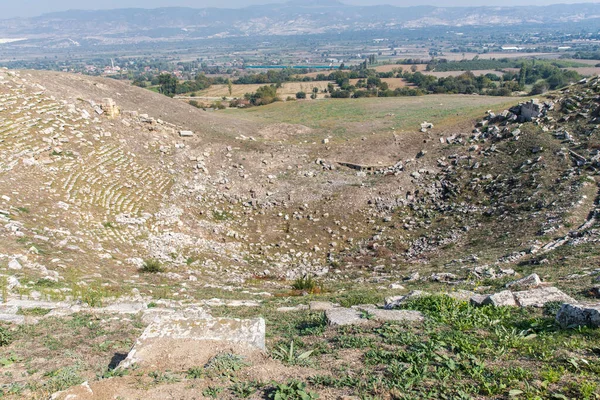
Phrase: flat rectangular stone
pixel 539 297
pixel 167 330
pixel 344 316
pixel 392 315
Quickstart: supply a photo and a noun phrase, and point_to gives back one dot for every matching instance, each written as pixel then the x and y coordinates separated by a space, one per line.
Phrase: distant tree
pixel 139 82
pixel 539 87
pixel 230 87
pixel 264 95
pixel 314 93
pixel 301 95
pixel 168 84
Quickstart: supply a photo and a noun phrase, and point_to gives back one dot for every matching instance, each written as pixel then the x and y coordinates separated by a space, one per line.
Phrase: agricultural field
pixel 356 117
pixel 288 89
pixel 393 83
pixel 404 67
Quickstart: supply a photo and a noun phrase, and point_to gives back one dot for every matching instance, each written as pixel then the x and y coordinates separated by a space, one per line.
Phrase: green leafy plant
pixel 292 390
pixel 163 377
pixel 212 392
pixel 112 373
pixel 63 378
pixel 6 336
pixel 226 363
pixel 244 390
pixel 195 373
pixel 354 299
pixel 551 308
pixel 36 311
pixel 290 355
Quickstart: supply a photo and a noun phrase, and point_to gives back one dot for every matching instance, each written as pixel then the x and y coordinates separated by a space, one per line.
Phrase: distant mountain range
pixel 293 18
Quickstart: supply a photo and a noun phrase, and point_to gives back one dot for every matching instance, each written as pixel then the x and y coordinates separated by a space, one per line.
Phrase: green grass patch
pixel 34 312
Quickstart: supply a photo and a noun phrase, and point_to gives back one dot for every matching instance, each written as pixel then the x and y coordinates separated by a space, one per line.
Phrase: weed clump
pixel 35 312
pixel 290 355
pixel 354 299
pixel 292 390
pixel 244 390
pixel 307 284
pixel 551 308
pixel 151 266
pixel 63 378
pixel 225 363
pixel 5 336
pixel 195 373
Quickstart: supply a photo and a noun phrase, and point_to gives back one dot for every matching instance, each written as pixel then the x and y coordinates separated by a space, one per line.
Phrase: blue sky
pixel 11 8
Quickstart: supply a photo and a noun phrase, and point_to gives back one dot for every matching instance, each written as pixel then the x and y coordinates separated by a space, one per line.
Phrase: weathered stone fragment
pixel 110 108
pixel 504 298
pixel 478 299
pixel 396 301
pixel 529 281
pixel 574 315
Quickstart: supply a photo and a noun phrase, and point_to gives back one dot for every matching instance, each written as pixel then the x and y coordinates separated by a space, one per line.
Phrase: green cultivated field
pixel 376 114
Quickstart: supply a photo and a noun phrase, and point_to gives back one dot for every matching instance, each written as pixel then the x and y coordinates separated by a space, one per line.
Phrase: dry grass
pixel 393 83
pixel 404 67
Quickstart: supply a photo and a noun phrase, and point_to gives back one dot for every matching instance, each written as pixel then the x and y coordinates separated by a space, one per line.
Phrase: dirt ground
pixel 176 357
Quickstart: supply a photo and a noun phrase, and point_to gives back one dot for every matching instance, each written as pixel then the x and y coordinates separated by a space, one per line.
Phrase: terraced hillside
pixel 99 194
pixel 107 206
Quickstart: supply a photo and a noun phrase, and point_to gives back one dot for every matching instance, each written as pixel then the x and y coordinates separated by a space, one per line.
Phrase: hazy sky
pixel 13 8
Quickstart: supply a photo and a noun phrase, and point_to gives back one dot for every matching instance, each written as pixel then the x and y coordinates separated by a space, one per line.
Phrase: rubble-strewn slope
pixel 519 187
pixel 88 196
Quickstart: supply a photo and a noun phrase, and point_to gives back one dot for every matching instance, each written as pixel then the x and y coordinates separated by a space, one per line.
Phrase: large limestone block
pixel 192 331
pixel 110 108
pixel 539 297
